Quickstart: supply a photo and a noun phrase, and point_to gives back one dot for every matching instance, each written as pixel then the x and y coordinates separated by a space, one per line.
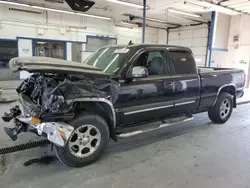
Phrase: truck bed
pixel 213 79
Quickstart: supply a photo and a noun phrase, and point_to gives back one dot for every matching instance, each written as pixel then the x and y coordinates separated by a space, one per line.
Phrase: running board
pixel 132 131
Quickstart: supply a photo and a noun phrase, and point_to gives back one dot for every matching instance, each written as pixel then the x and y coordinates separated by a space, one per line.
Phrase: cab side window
pixel 154 61
pixel 183 63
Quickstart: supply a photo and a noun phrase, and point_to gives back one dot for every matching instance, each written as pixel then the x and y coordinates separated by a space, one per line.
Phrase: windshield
pixel 109 59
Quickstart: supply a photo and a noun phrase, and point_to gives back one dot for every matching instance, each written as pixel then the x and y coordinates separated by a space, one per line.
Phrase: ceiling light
pixel 162 21
pixel 122 26
pixel 155 20
pixel 13 3
pixel 93 16
pixel 175 16
pixel 55 10
pixel 27 11
pixel 194 5
pixel 184 13
pixel 239 5
pixel 186 18
pixel 243 8
pixel 219 8
pixel 229 3
pixel 69 12
pixel 127 4
pixel 129 24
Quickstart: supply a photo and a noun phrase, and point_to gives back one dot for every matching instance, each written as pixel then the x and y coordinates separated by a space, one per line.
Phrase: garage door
pixel 194 37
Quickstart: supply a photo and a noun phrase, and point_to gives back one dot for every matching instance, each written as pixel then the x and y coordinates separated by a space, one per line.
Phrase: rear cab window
pixel 183 62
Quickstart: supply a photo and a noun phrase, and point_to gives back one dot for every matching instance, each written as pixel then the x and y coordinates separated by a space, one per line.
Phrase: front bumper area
pixel 56 132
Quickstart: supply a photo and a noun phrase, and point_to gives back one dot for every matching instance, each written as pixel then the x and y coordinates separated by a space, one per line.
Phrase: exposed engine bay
pixel 49 92
pixel 43 91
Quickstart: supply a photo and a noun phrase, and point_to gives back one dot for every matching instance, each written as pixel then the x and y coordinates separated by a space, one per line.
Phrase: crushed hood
pixel 51 65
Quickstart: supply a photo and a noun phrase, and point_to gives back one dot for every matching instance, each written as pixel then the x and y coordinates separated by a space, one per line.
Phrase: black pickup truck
pixel 78 107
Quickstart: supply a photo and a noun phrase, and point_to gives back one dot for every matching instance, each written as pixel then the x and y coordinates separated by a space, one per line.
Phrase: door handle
pixel 168 84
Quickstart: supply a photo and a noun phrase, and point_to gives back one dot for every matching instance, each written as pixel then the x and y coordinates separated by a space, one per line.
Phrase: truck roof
pixel 181 48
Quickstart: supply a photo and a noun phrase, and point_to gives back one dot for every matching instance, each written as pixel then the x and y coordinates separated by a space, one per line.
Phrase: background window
pixel 76 51
pixel 94 43
pixel 8 50
pixel 183 63
pixel 49 49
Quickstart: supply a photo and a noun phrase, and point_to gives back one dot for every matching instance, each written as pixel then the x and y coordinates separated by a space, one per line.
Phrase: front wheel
pixel 87 142
pixel 222 109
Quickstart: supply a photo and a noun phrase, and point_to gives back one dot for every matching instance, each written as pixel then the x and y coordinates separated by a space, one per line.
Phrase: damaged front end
pixel 48 99
pixel 41 110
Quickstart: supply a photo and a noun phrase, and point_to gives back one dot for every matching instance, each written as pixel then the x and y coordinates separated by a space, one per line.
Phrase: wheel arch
pixel 100 106
pixel 229 88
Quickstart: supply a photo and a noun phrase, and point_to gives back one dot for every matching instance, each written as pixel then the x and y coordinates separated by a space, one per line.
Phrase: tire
pixel 87 143
pixel 222 109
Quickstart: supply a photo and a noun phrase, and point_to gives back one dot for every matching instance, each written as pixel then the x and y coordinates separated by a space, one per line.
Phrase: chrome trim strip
pixel 183 103
pixel 96 100
pixel 147 109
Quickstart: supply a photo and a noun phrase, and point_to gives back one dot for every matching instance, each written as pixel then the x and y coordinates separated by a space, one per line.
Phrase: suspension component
pixel 14 112
pixel 18 128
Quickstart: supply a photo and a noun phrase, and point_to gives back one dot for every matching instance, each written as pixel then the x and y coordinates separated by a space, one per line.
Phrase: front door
pixel 145 99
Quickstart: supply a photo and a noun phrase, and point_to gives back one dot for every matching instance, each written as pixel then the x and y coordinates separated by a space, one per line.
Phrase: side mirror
pixel 139 72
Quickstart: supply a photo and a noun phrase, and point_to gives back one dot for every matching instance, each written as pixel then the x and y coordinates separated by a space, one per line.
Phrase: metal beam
pixel 133 17
pixel 144 20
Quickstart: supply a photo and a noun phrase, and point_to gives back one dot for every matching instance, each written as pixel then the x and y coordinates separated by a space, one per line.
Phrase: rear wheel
pixel 222 109
pixel 87 142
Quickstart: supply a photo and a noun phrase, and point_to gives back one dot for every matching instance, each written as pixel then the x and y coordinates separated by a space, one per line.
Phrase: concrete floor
pixel 194 154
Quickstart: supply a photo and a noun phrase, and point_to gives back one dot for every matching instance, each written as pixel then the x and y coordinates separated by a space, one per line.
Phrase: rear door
pixel 146 99
pixel 186 81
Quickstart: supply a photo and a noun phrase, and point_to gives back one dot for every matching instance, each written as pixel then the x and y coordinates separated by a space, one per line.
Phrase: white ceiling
pixel 238 5
pixel 158 9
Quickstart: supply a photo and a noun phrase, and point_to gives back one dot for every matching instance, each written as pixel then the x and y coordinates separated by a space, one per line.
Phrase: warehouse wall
pixel 222 27
pixel 65 27
pixel 237 54
pixel 220 40
pixel 194 37
pixel 162 36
